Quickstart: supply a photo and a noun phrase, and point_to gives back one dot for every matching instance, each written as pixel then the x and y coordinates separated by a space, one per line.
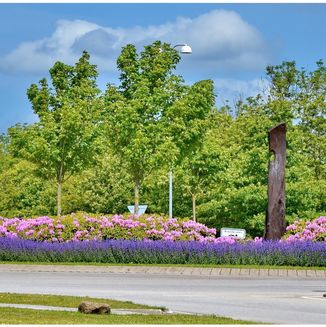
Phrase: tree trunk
pixel 136 206
pixel 193 207
pixel 59 198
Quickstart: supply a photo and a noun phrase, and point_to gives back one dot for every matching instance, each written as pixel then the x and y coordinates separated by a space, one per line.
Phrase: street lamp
pixel 184 49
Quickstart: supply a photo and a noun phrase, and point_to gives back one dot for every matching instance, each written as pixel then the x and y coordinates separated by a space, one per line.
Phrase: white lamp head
pixel 184 48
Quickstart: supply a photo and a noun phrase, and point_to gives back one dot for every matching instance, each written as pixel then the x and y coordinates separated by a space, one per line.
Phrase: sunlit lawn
pixel 30 316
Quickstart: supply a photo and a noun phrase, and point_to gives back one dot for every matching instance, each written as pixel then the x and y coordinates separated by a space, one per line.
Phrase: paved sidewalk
pixel 113 311
pixel 186 271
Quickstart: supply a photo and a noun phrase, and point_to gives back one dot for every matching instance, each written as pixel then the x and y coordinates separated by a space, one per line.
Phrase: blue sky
pixel 232 43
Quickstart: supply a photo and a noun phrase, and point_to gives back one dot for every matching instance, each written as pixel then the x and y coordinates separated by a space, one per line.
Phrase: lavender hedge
pixel 301 253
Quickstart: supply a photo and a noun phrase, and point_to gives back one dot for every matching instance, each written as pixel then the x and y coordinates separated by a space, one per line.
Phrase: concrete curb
pixel 156 270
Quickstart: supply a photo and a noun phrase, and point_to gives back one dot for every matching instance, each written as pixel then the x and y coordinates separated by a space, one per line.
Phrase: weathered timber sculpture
pixel 275 216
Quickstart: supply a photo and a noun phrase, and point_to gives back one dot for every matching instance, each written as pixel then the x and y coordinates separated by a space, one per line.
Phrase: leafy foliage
pixel 101 147
pixel 152 117
pixel 61 143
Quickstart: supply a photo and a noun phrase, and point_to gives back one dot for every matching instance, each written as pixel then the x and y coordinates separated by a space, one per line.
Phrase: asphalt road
pixel 266 300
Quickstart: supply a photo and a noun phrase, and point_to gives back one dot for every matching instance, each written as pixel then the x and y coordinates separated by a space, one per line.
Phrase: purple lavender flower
pixel 300 253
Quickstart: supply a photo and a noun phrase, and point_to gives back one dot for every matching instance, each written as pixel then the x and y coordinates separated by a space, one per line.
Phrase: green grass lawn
pixel 29 316
pixel 66 301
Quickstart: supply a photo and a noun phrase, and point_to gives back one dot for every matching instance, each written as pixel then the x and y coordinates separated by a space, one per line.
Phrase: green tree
pixel 311 106
pixel 62 142
pixel 24 192
pixel 4 155
pixel 238 194
pixel 296 97
pixel 200 169
pixel 149 107
pixel 102 188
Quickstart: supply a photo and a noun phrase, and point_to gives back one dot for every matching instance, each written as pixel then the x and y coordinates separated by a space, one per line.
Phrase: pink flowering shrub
pixel 307 230
pixel 81 227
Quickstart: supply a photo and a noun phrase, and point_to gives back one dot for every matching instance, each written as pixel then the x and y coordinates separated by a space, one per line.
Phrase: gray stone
pixel 320 273
pixel 302 273
pixel 235 272
pixel 263 272
pixel 292 273
pixel 94 308
pixel 225 271
pixel 216 271
pixel 311 273
pixel 244 272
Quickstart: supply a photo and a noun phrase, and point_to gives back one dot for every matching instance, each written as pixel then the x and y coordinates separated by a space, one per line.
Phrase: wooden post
pixel 275 216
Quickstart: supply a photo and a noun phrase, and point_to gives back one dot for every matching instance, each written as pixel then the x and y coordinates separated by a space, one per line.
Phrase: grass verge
pixel 67 301
pixel 36 317
pixel 29 317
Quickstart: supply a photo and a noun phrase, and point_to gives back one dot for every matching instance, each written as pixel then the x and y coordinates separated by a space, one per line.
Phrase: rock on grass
pixel 94 308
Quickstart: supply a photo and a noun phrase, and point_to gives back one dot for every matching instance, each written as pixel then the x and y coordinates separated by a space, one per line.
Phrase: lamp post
pixel 184 49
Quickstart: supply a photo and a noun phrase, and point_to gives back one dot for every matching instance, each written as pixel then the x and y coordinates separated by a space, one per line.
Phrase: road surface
pixel 260 298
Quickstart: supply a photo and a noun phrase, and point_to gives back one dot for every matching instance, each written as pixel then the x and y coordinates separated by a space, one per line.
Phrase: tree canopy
pixel 106 149
pixel 152 116
pixel 61 142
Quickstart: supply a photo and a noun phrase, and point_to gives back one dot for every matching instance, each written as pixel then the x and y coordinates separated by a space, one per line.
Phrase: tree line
pixel 99 151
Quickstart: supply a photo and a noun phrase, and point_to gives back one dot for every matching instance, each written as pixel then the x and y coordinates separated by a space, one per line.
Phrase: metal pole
pixel 170 194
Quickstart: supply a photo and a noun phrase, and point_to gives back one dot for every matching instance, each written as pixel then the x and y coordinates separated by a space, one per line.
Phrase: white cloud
pixel 39 56
pixel 221 40
pixel 232 90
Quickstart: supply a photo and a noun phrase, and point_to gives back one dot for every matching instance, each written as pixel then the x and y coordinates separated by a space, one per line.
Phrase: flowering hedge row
pixel 81 227
pixel 307 230
pixel 303 253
